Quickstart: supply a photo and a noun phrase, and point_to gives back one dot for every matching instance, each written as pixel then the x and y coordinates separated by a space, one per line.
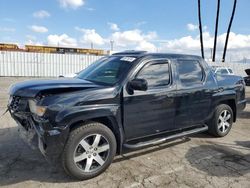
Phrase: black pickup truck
pixel 128 100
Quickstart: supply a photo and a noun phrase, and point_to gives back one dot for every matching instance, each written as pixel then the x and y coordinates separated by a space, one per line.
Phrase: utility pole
pixel 91 45
pixel 200 29
pixel 216 30
pixel 228 31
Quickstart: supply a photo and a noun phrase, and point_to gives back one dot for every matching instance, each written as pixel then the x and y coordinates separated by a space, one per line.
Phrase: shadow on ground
pixel 248 100
pixel 220 160
pixel 244 115
pixel 245 144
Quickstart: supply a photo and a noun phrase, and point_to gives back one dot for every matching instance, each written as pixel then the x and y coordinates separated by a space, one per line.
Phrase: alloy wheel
pixel 224 121
pixel 91 153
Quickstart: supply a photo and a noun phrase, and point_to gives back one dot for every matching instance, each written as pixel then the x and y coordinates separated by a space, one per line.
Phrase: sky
pixel 152 25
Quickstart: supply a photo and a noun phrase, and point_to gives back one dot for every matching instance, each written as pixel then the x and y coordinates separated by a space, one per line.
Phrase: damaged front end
pixel 18 109
pixel 34 106
pixel 35 129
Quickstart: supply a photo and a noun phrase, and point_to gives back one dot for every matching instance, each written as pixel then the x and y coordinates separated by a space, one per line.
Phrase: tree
pixel 200 28
pixel 228 31
pixel 216 30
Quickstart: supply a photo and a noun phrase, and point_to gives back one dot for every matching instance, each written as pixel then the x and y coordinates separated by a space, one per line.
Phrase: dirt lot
pixel 197 161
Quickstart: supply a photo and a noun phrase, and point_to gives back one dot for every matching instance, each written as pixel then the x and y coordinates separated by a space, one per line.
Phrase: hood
pixel 34 87
pixel 248 72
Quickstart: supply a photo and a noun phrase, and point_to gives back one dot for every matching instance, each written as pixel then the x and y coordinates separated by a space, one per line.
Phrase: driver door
pixel 152 111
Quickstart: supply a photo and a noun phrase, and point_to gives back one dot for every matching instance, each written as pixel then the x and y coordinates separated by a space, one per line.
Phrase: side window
pixel 190 72
pixel 230 71
pixel 222 71
pixel 155 74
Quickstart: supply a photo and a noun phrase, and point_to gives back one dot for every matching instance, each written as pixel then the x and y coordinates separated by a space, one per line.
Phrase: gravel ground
pixel 197 161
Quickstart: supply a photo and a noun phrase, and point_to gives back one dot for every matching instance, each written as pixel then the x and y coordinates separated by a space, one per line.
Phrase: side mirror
pixel 137 84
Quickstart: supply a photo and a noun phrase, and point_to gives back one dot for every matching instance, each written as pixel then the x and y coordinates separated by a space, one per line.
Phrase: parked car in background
pixel 222 70
pixel 127 100
pixel 69 75
pixel 247 78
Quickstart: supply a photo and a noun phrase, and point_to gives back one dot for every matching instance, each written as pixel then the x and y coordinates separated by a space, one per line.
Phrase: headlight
pixel 38 110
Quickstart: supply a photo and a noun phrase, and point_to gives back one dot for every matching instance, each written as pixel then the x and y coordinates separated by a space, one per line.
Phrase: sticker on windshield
pixel 129 59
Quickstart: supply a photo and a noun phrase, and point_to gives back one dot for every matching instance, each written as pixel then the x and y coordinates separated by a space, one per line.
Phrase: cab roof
pixel 141 54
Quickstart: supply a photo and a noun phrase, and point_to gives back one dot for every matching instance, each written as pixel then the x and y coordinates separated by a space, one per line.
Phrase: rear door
pixel 193 96
pixel 152 111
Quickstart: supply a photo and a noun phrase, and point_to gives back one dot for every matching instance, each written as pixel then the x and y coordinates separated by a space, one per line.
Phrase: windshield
pixel 108 70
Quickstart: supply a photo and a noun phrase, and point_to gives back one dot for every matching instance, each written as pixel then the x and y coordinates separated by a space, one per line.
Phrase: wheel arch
pixel 108 121
pixel 232 104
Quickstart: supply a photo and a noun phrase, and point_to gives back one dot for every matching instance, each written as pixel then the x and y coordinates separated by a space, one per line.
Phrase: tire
pixel 221 123
pixel 89 151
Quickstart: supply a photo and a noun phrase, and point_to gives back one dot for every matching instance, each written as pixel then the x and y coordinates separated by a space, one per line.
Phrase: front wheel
pixel 89 151
pixel 222 121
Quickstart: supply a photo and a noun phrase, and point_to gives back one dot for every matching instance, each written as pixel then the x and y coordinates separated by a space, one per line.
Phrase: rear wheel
pixel 221 123
pixel 89 151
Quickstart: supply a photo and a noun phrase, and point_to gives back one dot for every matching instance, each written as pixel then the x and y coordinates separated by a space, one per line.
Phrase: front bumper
pixel 50 142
